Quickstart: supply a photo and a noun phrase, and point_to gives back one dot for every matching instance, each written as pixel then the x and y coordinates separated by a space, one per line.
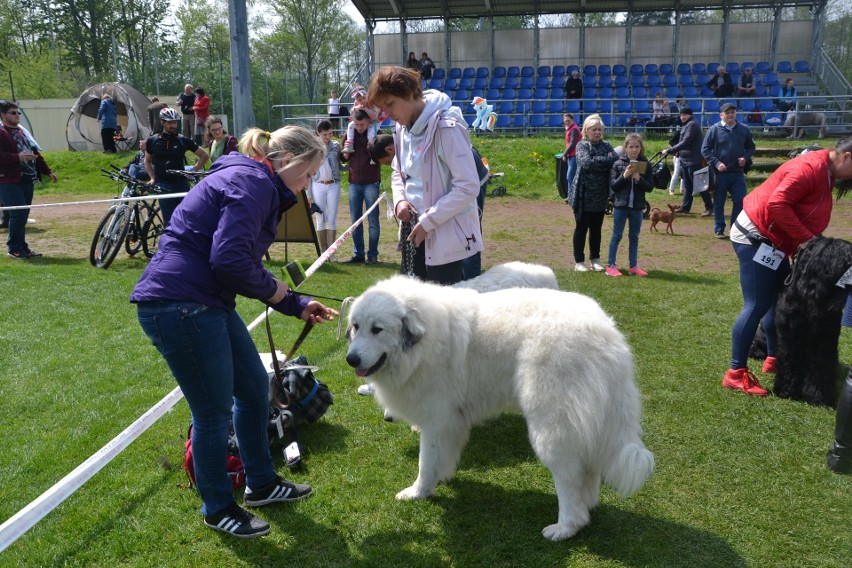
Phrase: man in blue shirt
pixel 727 147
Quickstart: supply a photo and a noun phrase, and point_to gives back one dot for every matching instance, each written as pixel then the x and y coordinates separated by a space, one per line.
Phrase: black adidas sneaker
pixel 280 491
pixel 238 522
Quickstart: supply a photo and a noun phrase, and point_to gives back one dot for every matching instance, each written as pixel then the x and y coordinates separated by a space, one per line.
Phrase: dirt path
pixel 515 229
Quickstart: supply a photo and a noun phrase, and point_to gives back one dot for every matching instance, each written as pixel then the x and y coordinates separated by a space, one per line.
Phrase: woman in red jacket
pixel 202 111
pixel 779 217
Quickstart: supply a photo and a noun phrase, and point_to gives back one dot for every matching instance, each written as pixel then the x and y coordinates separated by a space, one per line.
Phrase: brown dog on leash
pixel 666 217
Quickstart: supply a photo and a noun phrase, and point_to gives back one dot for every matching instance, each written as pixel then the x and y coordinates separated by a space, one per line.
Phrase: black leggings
pixel 591 223
pixel 107 140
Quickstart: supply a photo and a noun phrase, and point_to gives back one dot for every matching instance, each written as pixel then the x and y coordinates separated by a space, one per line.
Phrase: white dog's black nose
pixel 353 360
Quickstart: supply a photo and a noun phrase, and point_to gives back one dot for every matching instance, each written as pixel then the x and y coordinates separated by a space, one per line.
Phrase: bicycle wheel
pixel 110 234
pixel 133 242
pixel 152 229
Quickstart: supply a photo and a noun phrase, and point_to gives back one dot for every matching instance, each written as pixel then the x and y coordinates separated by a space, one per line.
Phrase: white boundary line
pixel 149 197
pixel 26 518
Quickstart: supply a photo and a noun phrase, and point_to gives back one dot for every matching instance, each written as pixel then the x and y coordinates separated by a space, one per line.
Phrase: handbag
pixel 701 180
pixel 661 175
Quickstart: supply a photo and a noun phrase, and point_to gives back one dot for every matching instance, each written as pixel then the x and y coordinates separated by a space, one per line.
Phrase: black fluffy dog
pixel 807 321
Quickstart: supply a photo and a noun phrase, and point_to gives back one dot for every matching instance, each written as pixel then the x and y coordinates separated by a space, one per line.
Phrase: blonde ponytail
pixel 299 141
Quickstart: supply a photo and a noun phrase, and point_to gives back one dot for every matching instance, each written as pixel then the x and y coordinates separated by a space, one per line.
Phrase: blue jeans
pixel 362 196
pixel 760 289
pixel 214 360
pixel 12 195
pixel 572 171
pixel 620 215
pixel 735 184
pixel 168 206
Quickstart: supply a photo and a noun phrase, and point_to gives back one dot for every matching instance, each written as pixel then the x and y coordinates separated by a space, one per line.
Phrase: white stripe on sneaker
pixel 229 524
pixel 277 492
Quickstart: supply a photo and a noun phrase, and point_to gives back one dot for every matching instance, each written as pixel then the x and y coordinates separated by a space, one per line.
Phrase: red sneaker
pixel 743 380
pixel 768 365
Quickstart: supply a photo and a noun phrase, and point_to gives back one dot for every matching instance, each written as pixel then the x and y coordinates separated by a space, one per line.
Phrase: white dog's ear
pixel 412 330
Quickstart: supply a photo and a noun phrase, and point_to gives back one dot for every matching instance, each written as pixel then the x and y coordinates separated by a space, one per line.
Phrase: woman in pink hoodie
pixel 434 180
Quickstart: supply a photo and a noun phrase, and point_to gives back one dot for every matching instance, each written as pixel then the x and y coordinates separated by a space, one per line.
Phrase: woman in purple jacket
pixel 211 251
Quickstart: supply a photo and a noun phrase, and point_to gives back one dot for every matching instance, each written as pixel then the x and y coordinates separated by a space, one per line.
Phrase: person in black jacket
pixel 688 151
pixel 630 179
pixel 574 86
pixel 721 84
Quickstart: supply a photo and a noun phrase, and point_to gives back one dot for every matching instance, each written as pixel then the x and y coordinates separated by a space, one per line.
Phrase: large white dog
pixel 511 275
pixel 444 359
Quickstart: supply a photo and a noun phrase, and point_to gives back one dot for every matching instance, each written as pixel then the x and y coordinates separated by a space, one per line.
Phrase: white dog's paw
pixel 560 532
pixel 412 492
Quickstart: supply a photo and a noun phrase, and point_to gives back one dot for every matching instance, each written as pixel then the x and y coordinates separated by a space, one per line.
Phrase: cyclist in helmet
pixel 165 151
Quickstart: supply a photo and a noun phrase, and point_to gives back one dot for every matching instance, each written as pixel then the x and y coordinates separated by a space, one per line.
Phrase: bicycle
pixel 137 225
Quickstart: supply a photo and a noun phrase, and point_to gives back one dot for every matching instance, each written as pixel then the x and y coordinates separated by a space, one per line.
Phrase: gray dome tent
pixel 83 131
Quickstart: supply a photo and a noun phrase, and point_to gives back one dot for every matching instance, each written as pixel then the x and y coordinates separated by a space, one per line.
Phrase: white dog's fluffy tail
pixel 629 471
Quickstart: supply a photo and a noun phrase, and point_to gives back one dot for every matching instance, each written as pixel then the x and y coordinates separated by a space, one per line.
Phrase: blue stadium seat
pixel 624 105
pixel 590 81
pixel 590 92
pixel 558 71
pixel 590 70
pixel 605 93
pixel 604 70
pixel 732 67
pixel 455 73
pixel 765 104
pixel 699 68
pixel 542 81
pixel 684 69
pixel 512 83
pixel 462 95
pixel 477 93
pixel 505 107
pixel 706 93
pixel 622 92
pixel 769 79
pixel 524 93
pixel 622 81
pixel 466 83
pixel 690 91
pixel 605 81
pixel 762 67
pixel 522 106
pixel 636 69
pixel 503 121
pixel 492 94
pixel 482 72
pixel 449 92
pixel 519 121
pixel 641 106
pixel 513 71
pixel 509 93
pixel 570 69
pixel 672 92
pixel 541 93
pixel 639 92
pixel 558 81
pixel 670 80
pixel 605 106
pixel 666 69
pixel 694 104
pixel 685 80
pixel 527 83
pixel 539 106
pixel 480 83
pixel 701 79
pixel 711 68
pixel 651 69
pixel 759 90
pixel 495 83
pixel 451 84
pixel 499 72
pixel 746 64
pixel 637 80
pixel 776 117
pixel 439 73
pixel 557 93
pixel 435 83
pixel 554 120
pixel 619 70
pixel 784 67
pixel 572 105
pixel 653 81
pixel 590 106
pixel 469 72
pixel 527 71
pixel 556 106
pixel 537 121
pixel 544 71
pixel 802 67
pixel 746 104
pixel 774 90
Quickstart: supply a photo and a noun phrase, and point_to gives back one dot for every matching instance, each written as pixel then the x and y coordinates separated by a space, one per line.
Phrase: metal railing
pixel 830 76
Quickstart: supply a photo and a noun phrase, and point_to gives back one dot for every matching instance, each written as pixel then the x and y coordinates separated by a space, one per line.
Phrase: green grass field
pixel 740 481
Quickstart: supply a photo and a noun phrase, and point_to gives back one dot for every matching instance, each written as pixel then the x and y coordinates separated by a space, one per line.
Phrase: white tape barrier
pixel 149 197
pixel 26 518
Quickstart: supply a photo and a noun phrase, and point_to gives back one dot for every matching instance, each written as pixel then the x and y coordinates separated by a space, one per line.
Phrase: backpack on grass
pixel 234 464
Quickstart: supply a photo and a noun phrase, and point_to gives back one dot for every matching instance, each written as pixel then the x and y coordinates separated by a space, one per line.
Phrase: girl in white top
pixel 325 187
